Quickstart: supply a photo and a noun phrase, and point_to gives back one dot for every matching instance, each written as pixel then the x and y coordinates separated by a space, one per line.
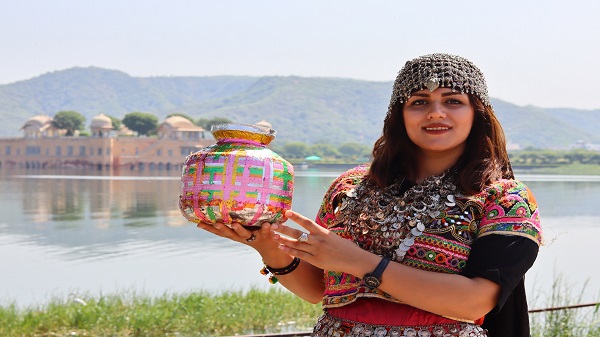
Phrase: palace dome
pixel 37 121
pixel 101 122
pixel 178 122
pixel 264 123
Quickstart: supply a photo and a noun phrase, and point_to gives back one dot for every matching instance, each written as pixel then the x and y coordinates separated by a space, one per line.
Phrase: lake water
pixel 73 232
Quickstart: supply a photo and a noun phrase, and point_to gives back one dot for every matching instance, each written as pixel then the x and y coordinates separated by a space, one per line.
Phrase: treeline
pixel 146 124
pixel 355 152
pixel 143 123
pixel 322 152
pixel 548 157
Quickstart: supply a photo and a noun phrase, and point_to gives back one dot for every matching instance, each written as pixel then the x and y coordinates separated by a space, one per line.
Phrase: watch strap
pixel 378 272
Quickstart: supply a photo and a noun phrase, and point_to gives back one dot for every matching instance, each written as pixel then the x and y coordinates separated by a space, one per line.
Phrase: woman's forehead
pixel 438 91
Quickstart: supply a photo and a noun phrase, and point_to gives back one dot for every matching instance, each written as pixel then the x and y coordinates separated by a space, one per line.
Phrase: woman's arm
pixel 306 281
pixel 450 295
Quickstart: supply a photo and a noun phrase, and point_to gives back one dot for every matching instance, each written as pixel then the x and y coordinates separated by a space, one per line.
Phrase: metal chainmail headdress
pixel 439 70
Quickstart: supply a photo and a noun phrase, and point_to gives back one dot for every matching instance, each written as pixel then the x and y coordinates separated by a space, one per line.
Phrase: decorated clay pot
pixel 238 179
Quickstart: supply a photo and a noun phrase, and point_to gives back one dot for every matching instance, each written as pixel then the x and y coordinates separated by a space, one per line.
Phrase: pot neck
pixel 240 141
pixel 243 136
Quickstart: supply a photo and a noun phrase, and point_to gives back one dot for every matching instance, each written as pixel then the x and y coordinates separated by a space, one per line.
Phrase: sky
pixel 541 53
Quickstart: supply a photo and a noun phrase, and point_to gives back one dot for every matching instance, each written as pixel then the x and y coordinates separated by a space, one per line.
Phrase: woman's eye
pixel 454 101
pixel 419 102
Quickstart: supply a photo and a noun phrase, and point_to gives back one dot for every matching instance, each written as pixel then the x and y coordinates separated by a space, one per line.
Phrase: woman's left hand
pixel 317 245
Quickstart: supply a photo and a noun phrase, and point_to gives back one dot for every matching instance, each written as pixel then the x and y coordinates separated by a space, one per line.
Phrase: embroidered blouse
pixel 506 208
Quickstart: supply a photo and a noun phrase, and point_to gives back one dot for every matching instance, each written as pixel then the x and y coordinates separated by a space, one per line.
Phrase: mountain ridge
pixel 306 109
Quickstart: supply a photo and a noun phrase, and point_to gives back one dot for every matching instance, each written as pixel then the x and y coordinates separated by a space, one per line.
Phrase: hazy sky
pixel 544 53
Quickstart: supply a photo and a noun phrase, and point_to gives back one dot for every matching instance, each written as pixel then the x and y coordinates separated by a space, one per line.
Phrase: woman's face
pixel 439 121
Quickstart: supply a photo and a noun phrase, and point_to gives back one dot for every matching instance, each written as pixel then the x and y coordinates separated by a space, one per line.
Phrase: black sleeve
pixel 503 259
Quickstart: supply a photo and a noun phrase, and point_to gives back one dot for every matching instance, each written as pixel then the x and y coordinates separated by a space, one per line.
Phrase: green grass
pixel 236 313
pixel 193 314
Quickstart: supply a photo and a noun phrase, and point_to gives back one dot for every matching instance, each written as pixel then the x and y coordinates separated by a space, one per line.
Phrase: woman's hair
pixel 483 160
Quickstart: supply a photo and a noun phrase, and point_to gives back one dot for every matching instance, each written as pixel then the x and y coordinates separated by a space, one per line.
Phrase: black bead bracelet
pixel 266 270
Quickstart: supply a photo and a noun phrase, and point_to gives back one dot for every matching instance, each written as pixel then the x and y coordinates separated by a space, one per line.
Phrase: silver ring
pixel 303 237
pixel 251 238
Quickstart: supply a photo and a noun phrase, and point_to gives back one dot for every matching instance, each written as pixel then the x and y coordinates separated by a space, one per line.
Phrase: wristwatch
pixel 373 279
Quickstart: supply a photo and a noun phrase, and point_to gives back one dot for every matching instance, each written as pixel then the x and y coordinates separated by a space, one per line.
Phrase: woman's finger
pixel 209 228
pixel 225 231
pixel 289 233
pixel 303 221
pixel 243 232
pixel 293 250
pixel 297 235
pixel 265 230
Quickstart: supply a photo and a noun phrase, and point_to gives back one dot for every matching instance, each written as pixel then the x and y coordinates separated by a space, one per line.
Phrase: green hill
pixel 301 109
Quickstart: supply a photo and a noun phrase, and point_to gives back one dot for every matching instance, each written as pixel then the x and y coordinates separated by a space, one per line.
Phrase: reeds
pixel 576 322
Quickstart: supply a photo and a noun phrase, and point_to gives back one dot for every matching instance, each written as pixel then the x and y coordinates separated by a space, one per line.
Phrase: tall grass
pixel 236 313
pixel 577 322
pixel 194 314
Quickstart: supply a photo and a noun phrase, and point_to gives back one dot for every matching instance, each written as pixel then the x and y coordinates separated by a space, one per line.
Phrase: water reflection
pixel 91 212
pixel 100 233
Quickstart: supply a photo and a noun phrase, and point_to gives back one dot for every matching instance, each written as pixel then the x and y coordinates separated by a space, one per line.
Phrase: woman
pixel 434 238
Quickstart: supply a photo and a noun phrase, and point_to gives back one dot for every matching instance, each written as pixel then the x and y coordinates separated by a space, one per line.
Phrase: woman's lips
pixel 436 128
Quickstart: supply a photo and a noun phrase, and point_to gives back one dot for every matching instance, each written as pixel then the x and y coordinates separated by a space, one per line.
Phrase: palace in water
pixel 44 146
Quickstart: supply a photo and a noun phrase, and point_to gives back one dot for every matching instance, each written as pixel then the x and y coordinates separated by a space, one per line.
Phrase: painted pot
pixel 238 179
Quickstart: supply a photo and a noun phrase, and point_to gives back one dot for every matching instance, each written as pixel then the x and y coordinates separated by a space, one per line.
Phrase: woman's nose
pixel 436 111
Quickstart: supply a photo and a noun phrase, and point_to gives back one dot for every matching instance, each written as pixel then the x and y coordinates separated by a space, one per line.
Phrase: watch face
pixel 372 281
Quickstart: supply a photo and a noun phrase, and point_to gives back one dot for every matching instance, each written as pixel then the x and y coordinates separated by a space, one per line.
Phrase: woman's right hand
pixel 259 239
pixel 306 281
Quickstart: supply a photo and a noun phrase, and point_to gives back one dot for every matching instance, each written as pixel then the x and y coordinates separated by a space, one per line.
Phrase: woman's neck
pixel 430 164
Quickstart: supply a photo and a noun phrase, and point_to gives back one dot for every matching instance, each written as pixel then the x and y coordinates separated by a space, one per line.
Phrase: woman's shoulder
pixel 348 179
pixel 509 194
pixel 356 172
pixel 500 190
pixel 338 190
pixel 509 206
pixel 507 186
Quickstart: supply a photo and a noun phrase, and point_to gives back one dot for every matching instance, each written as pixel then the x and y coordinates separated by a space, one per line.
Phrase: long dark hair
pixel 483 161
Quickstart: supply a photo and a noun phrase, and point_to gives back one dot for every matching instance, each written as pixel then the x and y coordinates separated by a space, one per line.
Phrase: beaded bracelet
pixel 266 270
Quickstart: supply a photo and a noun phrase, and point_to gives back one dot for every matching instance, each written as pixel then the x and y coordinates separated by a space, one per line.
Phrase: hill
pixel 303 109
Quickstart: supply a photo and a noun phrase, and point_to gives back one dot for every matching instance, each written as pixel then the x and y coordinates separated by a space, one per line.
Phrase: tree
pixel 296 150
pixel 354 149
pixel 70 120
pixel 141 122
pixel 324 150
pixel 208 123
pixel 116 123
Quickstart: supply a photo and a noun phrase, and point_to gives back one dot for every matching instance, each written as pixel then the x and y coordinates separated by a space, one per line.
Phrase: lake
pixel 75 232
